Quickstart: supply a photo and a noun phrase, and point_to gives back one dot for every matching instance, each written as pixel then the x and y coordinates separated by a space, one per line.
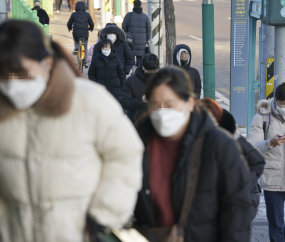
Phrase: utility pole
pixel 155 18
pixel 279 56
pixel 208 48
pixel 103 14
pixel 266 51
pixel 3 11
pixel 92 11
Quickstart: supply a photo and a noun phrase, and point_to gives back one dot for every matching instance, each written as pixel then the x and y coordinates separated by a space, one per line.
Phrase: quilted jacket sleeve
pixel 256 135
pixel 120 150
pixel 128 101
pixel 234 195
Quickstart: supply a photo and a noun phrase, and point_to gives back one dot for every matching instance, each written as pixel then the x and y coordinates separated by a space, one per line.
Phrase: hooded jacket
pixel 273 178
pixel 121 47
pixel 43 16
pixel 80 21
pixel 193 73
pixel 221 206
pixel 254 158
pixel 138 24
pixel 132 93
pixel 109 73
pixel 66 158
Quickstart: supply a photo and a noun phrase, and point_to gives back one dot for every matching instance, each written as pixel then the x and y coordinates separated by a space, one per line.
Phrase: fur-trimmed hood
pixel 55 101
pixel 112 28
pixel 269 106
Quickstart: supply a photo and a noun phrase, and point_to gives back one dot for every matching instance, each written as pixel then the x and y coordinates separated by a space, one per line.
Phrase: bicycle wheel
pixel 80 63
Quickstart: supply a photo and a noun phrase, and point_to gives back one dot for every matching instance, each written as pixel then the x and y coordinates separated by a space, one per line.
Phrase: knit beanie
pixel 137 3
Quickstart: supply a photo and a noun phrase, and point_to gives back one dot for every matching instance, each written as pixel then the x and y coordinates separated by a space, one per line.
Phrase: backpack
pixel 265 124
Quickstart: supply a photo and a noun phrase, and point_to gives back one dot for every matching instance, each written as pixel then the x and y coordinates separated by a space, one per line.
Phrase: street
pixel 188 15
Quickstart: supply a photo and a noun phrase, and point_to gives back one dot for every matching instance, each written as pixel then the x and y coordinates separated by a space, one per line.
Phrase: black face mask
pixel 37 7
pixel 183 62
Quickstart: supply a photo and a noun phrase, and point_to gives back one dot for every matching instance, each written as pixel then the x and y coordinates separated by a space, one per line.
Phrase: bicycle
pixel 81 54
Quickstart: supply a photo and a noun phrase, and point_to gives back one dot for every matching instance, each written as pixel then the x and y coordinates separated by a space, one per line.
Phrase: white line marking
pixel 194 37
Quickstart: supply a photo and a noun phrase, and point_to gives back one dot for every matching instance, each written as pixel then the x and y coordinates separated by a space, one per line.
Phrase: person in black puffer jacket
pixel 179 53
pixel 121 47
pixel 221 203
pixel 42 14
pixel 106 69
pixel 80 19
pixel 254 158
pixel 133 98
pixel 138 24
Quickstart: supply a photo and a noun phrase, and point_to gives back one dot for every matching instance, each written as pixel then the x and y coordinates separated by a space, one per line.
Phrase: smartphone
pixel 281 137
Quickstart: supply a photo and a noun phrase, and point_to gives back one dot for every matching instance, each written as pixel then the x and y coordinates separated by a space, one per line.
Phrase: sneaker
pixel 57 11
pixel 75 51
pixel 86 66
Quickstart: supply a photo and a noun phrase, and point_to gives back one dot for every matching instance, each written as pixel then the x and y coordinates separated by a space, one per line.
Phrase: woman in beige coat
pixel 67 150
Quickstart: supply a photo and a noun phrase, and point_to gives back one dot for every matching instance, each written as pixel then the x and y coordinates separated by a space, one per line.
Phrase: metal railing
pixel 22 11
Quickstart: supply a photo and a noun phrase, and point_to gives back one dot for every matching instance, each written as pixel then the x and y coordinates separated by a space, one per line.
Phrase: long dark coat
pixel 193 73
pixel 221 206
pixel 121 47
pixel 81 20
pixel 109 73
pixel 138 24
pixel 132 94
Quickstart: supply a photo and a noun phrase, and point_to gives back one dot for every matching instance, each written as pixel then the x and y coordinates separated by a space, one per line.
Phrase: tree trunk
pixel 92 11
pixel 170 30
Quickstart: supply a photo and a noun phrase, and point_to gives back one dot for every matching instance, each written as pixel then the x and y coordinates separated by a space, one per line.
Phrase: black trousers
pixel 139 60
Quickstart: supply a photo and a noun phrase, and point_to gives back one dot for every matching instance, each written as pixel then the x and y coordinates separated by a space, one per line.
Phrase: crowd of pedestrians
pixel 132 145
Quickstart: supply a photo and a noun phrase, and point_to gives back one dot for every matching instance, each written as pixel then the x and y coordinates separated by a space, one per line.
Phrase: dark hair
pixel 150 62
pixel 104 42
pixel 280 92
pixel 174 77
pixel 213 107
pixel 24 38
pixel 137 3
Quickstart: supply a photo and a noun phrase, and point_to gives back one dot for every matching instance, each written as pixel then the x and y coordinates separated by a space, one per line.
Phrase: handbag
pixel 175 233
pixel 129 35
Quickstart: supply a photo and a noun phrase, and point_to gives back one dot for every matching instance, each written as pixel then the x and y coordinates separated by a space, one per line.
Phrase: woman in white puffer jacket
pixel 67 151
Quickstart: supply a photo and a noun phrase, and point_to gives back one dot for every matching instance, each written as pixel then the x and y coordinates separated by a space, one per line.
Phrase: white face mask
pixel 106 52
pixel 167 122
pixel 24 93
pixel 112 37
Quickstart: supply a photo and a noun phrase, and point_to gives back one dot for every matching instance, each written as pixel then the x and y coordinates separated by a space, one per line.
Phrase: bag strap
pixel 192 180
pixel 265 124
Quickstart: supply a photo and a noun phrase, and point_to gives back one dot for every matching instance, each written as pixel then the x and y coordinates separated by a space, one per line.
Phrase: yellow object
pixel 269 78
pixel 107 5
pixel 131 1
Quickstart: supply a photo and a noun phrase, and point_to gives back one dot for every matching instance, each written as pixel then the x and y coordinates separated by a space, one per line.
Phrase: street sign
pixel 269 78
pixel 239 59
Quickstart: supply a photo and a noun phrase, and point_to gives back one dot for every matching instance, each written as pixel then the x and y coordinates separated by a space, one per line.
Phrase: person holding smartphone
pixel 267 134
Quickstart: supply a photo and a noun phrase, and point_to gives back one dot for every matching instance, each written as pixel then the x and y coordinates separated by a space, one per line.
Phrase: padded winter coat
pixel 80 21
pixel 109 73
pixel 132 94
pixel 221 206
pixel 273 178
pixel 65 158
pixel 138 24
pixel 121 47
pixel 193 73
pixel 43 16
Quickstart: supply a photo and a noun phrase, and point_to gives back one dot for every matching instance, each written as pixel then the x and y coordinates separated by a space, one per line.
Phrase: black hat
pixel 137 3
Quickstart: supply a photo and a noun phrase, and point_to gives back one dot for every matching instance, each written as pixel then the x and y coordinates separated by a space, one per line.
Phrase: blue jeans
pixel 275 215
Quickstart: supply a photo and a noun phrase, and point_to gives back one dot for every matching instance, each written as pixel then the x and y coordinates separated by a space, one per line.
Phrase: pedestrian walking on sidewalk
pixel 267 132
pixel 91 49
pixel 194 175
pixel 106 69
pixel 182 57
pixel 81 22
pixel 133 97
pixel 58 4
pixel 63 155
pixel 121 47
pixel 41 13
pixel 137 23
pixel 254 158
